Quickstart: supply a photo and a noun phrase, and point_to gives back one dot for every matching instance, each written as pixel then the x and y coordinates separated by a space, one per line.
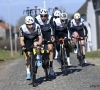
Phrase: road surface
pixel 12 77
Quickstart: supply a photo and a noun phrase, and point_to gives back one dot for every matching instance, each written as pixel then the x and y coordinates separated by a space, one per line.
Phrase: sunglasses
pixel 56 16
pixel 63 20
pixel 29 24
pixel 43 15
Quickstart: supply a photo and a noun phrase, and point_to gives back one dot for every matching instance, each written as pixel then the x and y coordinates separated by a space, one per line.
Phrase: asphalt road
pixel 12 77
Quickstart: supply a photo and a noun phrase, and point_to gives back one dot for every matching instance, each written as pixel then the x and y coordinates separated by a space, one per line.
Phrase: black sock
pixel 51 62
pixel 83 56
pixel 75 46
pixel 68 51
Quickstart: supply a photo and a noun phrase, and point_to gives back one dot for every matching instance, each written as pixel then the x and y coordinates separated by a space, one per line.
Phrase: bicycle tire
pixel 33 70
pixel 81 55
pixel 46 65
pixel 46 72
pixel 61 61
pixel 64 62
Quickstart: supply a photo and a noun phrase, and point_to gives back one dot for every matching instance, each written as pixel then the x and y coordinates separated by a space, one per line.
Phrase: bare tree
pixel 20 22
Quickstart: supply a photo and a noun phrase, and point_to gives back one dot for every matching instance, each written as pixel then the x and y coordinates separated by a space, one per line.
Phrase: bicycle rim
pixel 33 70
pixel 34 79
pixel 61 61
pixel 45 64
pixel 81 55
pixel 64 63
pixel 46 69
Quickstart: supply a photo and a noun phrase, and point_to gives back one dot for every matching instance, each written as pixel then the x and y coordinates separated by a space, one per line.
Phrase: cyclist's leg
pixel 58 36
pixel 39 62
pixel 75 34
pixel 67 53
pixel 27 62
pixel 50 48
pixel 56 51
pixel 81 33
pixel 28 44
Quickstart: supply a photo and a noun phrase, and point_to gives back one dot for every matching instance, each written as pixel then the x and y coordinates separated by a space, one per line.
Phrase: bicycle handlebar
pixel 30 48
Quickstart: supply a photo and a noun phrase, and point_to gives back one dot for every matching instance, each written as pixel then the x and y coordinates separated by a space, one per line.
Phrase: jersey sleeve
pixel 83 21
pixel 39 30
pixel 36 21
pixel 52 27
pixel 71 24
pixel 21 32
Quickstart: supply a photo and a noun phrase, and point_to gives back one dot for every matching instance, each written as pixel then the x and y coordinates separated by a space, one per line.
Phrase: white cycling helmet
pixel 77 16
pixel 57 13
pixel 29 20
pixel 63 16
pixel 43 11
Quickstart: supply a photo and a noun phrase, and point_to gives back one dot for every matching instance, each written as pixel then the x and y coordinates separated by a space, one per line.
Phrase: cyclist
pixel 46 23
pixel 62 26
pixel 29 32
pixel 56 15
pixel 77 29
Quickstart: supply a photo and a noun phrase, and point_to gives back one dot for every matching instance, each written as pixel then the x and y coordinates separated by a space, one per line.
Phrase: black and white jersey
pixel 78 26
pixel 60 26
pixel 45 25
pixel 30 34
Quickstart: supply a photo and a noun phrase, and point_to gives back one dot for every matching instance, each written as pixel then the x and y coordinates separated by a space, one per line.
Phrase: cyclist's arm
pixel 52 27
pixel 39 34
pixel 36 21
pixel 85 28
pixel 21 37
pixel 69 29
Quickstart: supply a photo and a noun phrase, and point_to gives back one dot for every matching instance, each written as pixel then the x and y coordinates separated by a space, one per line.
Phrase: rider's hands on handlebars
pixel 23 47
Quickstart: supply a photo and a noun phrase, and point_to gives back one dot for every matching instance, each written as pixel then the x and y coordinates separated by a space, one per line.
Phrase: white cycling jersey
pixel 30 34
pixel 77 26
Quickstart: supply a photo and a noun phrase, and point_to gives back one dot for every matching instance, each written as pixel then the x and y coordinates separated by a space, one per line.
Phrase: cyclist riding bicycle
pixel 56 15
pixel 30 34
pixel 62 26
pixel 77 29
pixel 46 23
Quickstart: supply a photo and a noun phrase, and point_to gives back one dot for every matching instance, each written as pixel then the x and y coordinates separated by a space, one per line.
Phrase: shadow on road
pixel 43 79
pixel 88 64
pixel 73 70
pixel 70 70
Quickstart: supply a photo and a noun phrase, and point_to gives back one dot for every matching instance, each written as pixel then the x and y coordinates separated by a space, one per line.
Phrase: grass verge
pixel 93 54
pixel 6 55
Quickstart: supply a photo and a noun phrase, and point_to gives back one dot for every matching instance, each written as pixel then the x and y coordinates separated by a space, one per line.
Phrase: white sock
pixel 28 71
pixel 56 54
pixel 85 61
pixel 68 59
pixel 38 57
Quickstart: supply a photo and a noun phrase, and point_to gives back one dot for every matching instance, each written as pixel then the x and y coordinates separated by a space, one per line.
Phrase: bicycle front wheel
pixel 33 70
pixel 81 55
pixel 64 62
